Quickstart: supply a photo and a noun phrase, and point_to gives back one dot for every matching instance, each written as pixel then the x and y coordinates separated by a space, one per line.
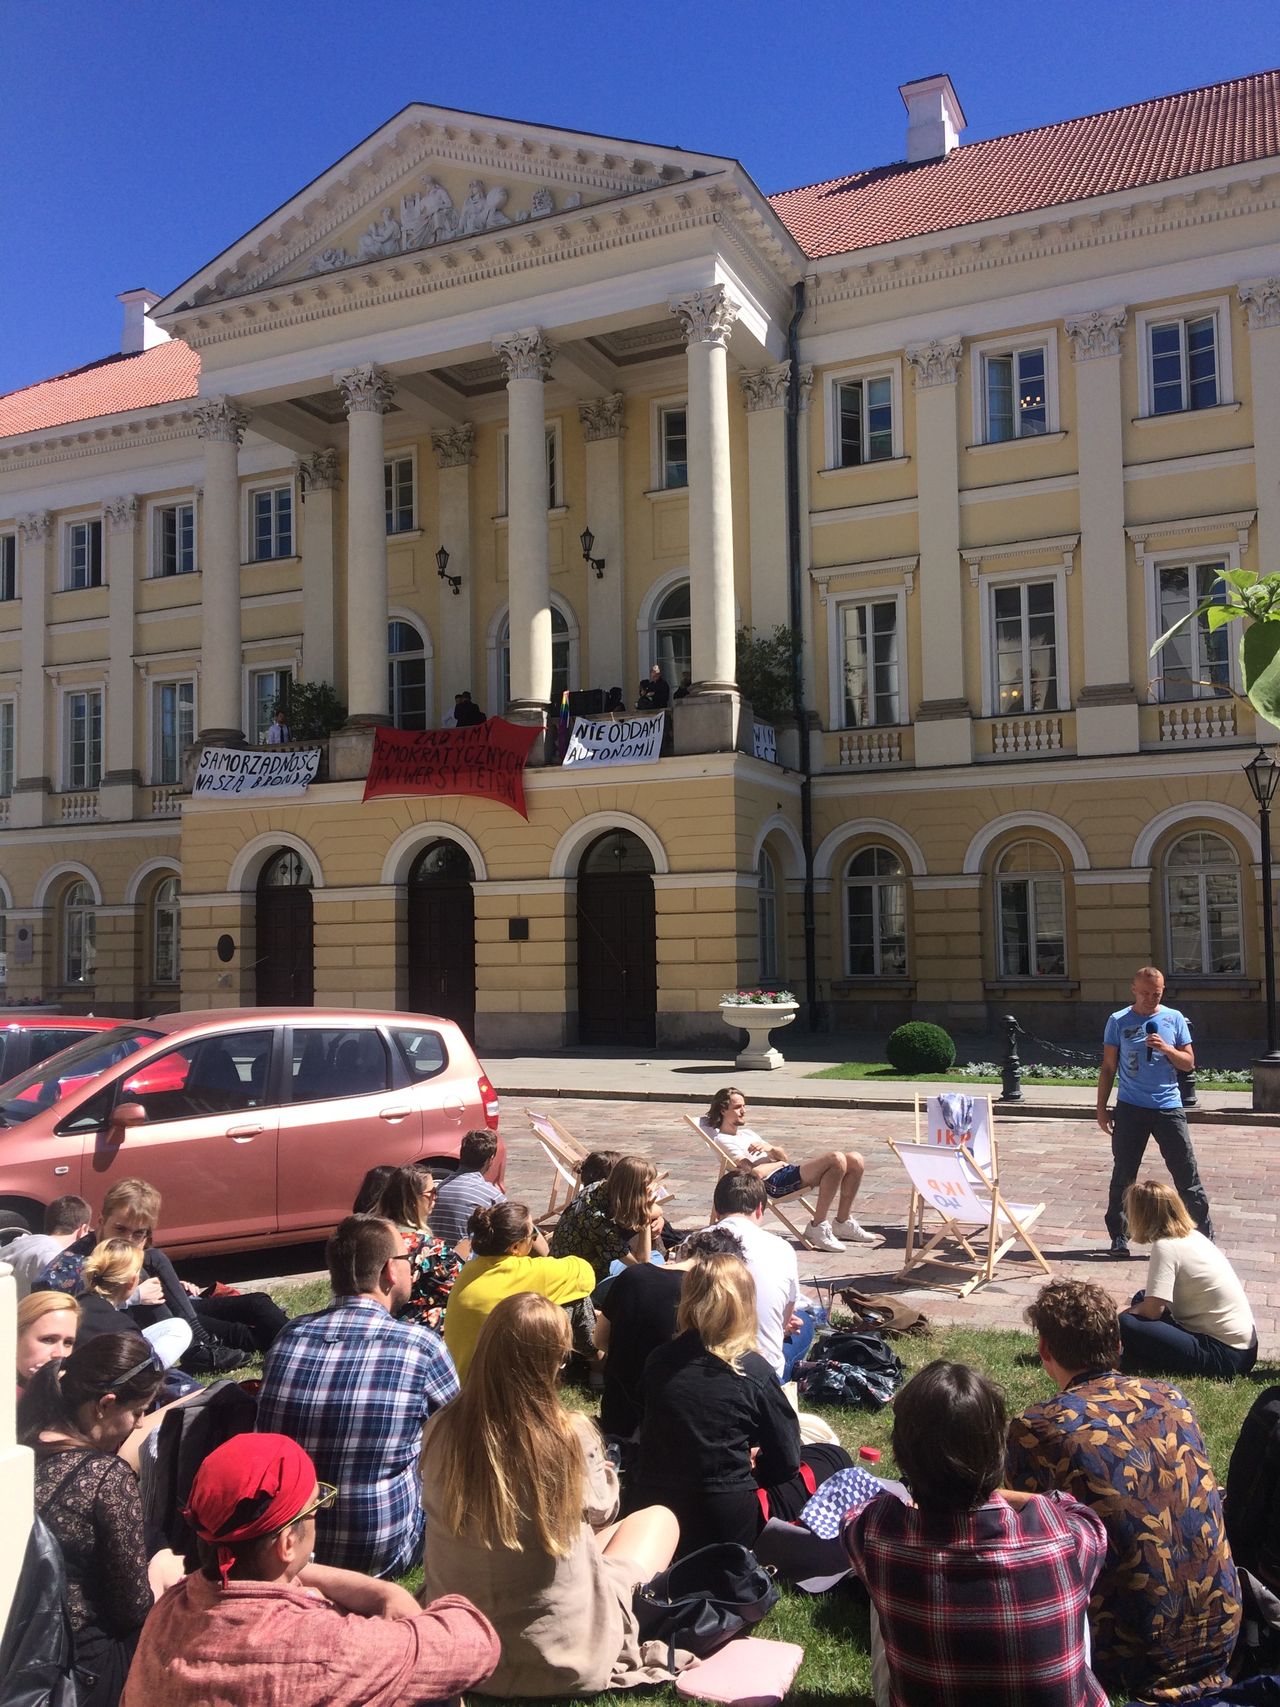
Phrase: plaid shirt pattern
pixel 354 1387
pixel 982 1606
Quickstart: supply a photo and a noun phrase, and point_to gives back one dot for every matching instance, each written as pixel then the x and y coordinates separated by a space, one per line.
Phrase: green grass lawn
pixel 833 1629
pixel 880 1070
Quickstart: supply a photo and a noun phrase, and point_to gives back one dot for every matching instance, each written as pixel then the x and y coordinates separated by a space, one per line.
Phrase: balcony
pixel 1040 735
pixel 1190 723
pixel 163 801
pixel 868 749
pixel 78 806
pixel 4 810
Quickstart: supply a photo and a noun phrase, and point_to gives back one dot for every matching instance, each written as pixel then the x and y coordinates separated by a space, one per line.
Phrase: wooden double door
pixel 617 947
pixel 441 936
pixel 286 954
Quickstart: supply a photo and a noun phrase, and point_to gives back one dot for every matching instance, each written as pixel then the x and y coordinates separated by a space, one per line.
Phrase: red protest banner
pixel 487 760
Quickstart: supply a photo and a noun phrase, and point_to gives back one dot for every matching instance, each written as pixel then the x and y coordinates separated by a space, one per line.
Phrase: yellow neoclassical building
pixel 496 408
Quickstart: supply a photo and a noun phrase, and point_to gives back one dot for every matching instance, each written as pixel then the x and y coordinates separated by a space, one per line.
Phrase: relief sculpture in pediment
pixel 428 216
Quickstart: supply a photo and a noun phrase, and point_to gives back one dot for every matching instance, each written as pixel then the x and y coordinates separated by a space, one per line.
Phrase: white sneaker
pixel 819 1237
pixel 854 1233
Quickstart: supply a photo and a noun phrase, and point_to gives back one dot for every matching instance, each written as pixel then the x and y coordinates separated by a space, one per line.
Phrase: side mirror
pixel 125 1115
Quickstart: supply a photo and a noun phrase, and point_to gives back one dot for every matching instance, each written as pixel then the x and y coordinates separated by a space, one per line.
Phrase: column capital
pixel 1261 299
pixel 766 387
pixel 525 354
pixel 122 512
pixel 366 390
pixel 935 363
pixel 220 419
pixel 705 316
pixel 319 472
pixel 601 417
pixel 1096 333
pixel 35 526
pixel 455 447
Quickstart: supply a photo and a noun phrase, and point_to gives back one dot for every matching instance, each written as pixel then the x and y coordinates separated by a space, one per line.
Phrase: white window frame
pixel 155 724
pixel 494 645
pixel 891 370
pixel 420 628
pixel 875 884
pixel 555 490
pixel 155 508
pixel 1045 339
pixel 838 604
pixel 1166 872
pixel 1030 879
pixel 394 453
pixel 8 744
pixel 168 979
pixel 88 935
pixel 64 734
pixel 1220 307
pixel 657 466
pixel 9 571
pixel 987 583
pixel 69 524
pixel 282 483
pixel 1153 562
pixel 769 957
pixel 262 667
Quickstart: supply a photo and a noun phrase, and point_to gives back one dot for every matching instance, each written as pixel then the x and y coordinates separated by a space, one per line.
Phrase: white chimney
pixel 139 332
pixel 935 117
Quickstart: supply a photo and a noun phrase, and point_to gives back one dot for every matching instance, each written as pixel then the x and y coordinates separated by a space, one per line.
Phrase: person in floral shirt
pixel 406 1199
pixel 615 1221
pixel 1165 1611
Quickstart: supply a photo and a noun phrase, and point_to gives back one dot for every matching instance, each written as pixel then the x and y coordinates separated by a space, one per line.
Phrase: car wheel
pixel 12 1225
pixel 439 1167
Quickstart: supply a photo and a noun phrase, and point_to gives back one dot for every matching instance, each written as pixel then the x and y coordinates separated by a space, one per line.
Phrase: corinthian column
pixel 220 424
pixel 706 318
pixel 602 430
pixel 115 798
pixel 526 357
pixel 366 394
pixel 455 453
pixel 319 478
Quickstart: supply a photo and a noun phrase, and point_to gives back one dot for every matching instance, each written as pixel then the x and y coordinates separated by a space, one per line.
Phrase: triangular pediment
pixel 431 179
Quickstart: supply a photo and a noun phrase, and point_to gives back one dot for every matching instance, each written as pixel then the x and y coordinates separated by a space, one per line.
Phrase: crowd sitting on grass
pixel 1073 1552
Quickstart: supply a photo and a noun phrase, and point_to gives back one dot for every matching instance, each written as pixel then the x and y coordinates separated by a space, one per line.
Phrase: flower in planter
pixel 756 998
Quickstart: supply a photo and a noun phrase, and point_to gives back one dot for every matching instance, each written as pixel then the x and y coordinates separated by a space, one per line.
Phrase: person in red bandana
pixel 262 1626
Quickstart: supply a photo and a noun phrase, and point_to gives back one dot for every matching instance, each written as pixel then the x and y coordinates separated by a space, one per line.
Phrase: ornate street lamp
pixel 587 540
pixel 1263 774
pixel 442 570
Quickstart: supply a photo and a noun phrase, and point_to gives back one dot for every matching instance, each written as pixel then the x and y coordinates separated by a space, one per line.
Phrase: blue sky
pixel 138 139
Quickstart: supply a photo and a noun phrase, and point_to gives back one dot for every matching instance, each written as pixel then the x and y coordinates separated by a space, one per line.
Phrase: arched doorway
pixel 617 950
pixel 286 970
pixel 442 935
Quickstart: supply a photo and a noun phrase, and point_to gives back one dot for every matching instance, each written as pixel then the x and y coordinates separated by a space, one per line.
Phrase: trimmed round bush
pixel 918 1047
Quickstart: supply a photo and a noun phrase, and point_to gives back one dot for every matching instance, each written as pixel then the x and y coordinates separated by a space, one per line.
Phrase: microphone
pixel 1149 1028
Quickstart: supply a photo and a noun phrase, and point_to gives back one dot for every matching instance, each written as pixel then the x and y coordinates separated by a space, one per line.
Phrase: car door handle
pixel 393 1114
pixel 242 1134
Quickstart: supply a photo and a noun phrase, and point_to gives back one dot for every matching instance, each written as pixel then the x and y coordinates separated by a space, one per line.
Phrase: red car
pixel 28 1039
pixel 256 1125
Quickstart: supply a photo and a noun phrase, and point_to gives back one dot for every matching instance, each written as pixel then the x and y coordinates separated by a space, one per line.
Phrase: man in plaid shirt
pixel 978 1596
pixel 355 1387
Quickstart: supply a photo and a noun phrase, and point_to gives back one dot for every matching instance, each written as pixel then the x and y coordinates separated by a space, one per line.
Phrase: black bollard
pixel 1011 1071
pixel 1187 1089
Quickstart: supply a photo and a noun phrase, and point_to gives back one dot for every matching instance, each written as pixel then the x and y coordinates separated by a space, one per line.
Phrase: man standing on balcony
pixel 1145 1047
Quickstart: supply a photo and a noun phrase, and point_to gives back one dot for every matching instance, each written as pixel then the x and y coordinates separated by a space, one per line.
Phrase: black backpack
pixel 1253 1491
pixel 185 1439
pixel 845 1368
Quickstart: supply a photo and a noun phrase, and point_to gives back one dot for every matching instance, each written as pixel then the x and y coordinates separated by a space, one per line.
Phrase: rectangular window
pixel 1016 392
pixel 8 729
pixel 864 411
pixel 553 471
pixel 266 687
pixel 1033 932
pixel 1184 364
pixel 398 478
pixel 673 438
pixel 8 566
pixel 175 526
pixel 84 738
pixel 273 521
pixel 1195 663
pixel 1025 647
pixel 174 714
pixel 871 668
pixel 84 554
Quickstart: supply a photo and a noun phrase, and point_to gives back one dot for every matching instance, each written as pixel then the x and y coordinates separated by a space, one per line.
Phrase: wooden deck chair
pixel 727 1162
pixel 955 1176
pixel 565 1154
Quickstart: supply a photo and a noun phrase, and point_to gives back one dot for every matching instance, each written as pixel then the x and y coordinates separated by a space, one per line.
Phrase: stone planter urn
pixel 758 1019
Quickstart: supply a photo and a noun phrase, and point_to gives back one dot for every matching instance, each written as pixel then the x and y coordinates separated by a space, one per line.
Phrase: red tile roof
pixel 1151 142
pixel 166 373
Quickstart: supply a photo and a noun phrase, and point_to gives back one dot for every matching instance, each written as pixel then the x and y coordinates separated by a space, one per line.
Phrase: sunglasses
pixel 326 1493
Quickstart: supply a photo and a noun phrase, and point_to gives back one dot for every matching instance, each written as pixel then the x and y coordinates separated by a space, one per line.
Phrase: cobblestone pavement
pixel 1065 1162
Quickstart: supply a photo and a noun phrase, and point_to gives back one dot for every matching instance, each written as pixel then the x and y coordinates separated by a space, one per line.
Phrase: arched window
pixel 79 934
pixel 406 676
pixel 1031 930
pixel 615 853
pixel 287 870
pixel 1202 906
pixel 563 662
pixel 767 916
pixel 672 637
pixel 876 914
pixel 443 862
pixel 165 932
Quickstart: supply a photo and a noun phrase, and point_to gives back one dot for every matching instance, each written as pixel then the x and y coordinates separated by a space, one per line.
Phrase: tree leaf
pixel 1208 605
pixel 1221 615
pixel 1260 667
pixel 1240 579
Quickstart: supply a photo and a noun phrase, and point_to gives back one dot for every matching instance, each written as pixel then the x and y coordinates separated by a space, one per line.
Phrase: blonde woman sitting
pixel 719 1441
pixel 519 1501
pixel 835 1174
pixel 1192 1318
pixel 107 1282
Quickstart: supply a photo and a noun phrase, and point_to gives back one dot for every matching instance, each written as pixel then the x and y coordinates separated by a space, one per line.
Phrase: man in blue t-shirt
pixel 1145 1047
